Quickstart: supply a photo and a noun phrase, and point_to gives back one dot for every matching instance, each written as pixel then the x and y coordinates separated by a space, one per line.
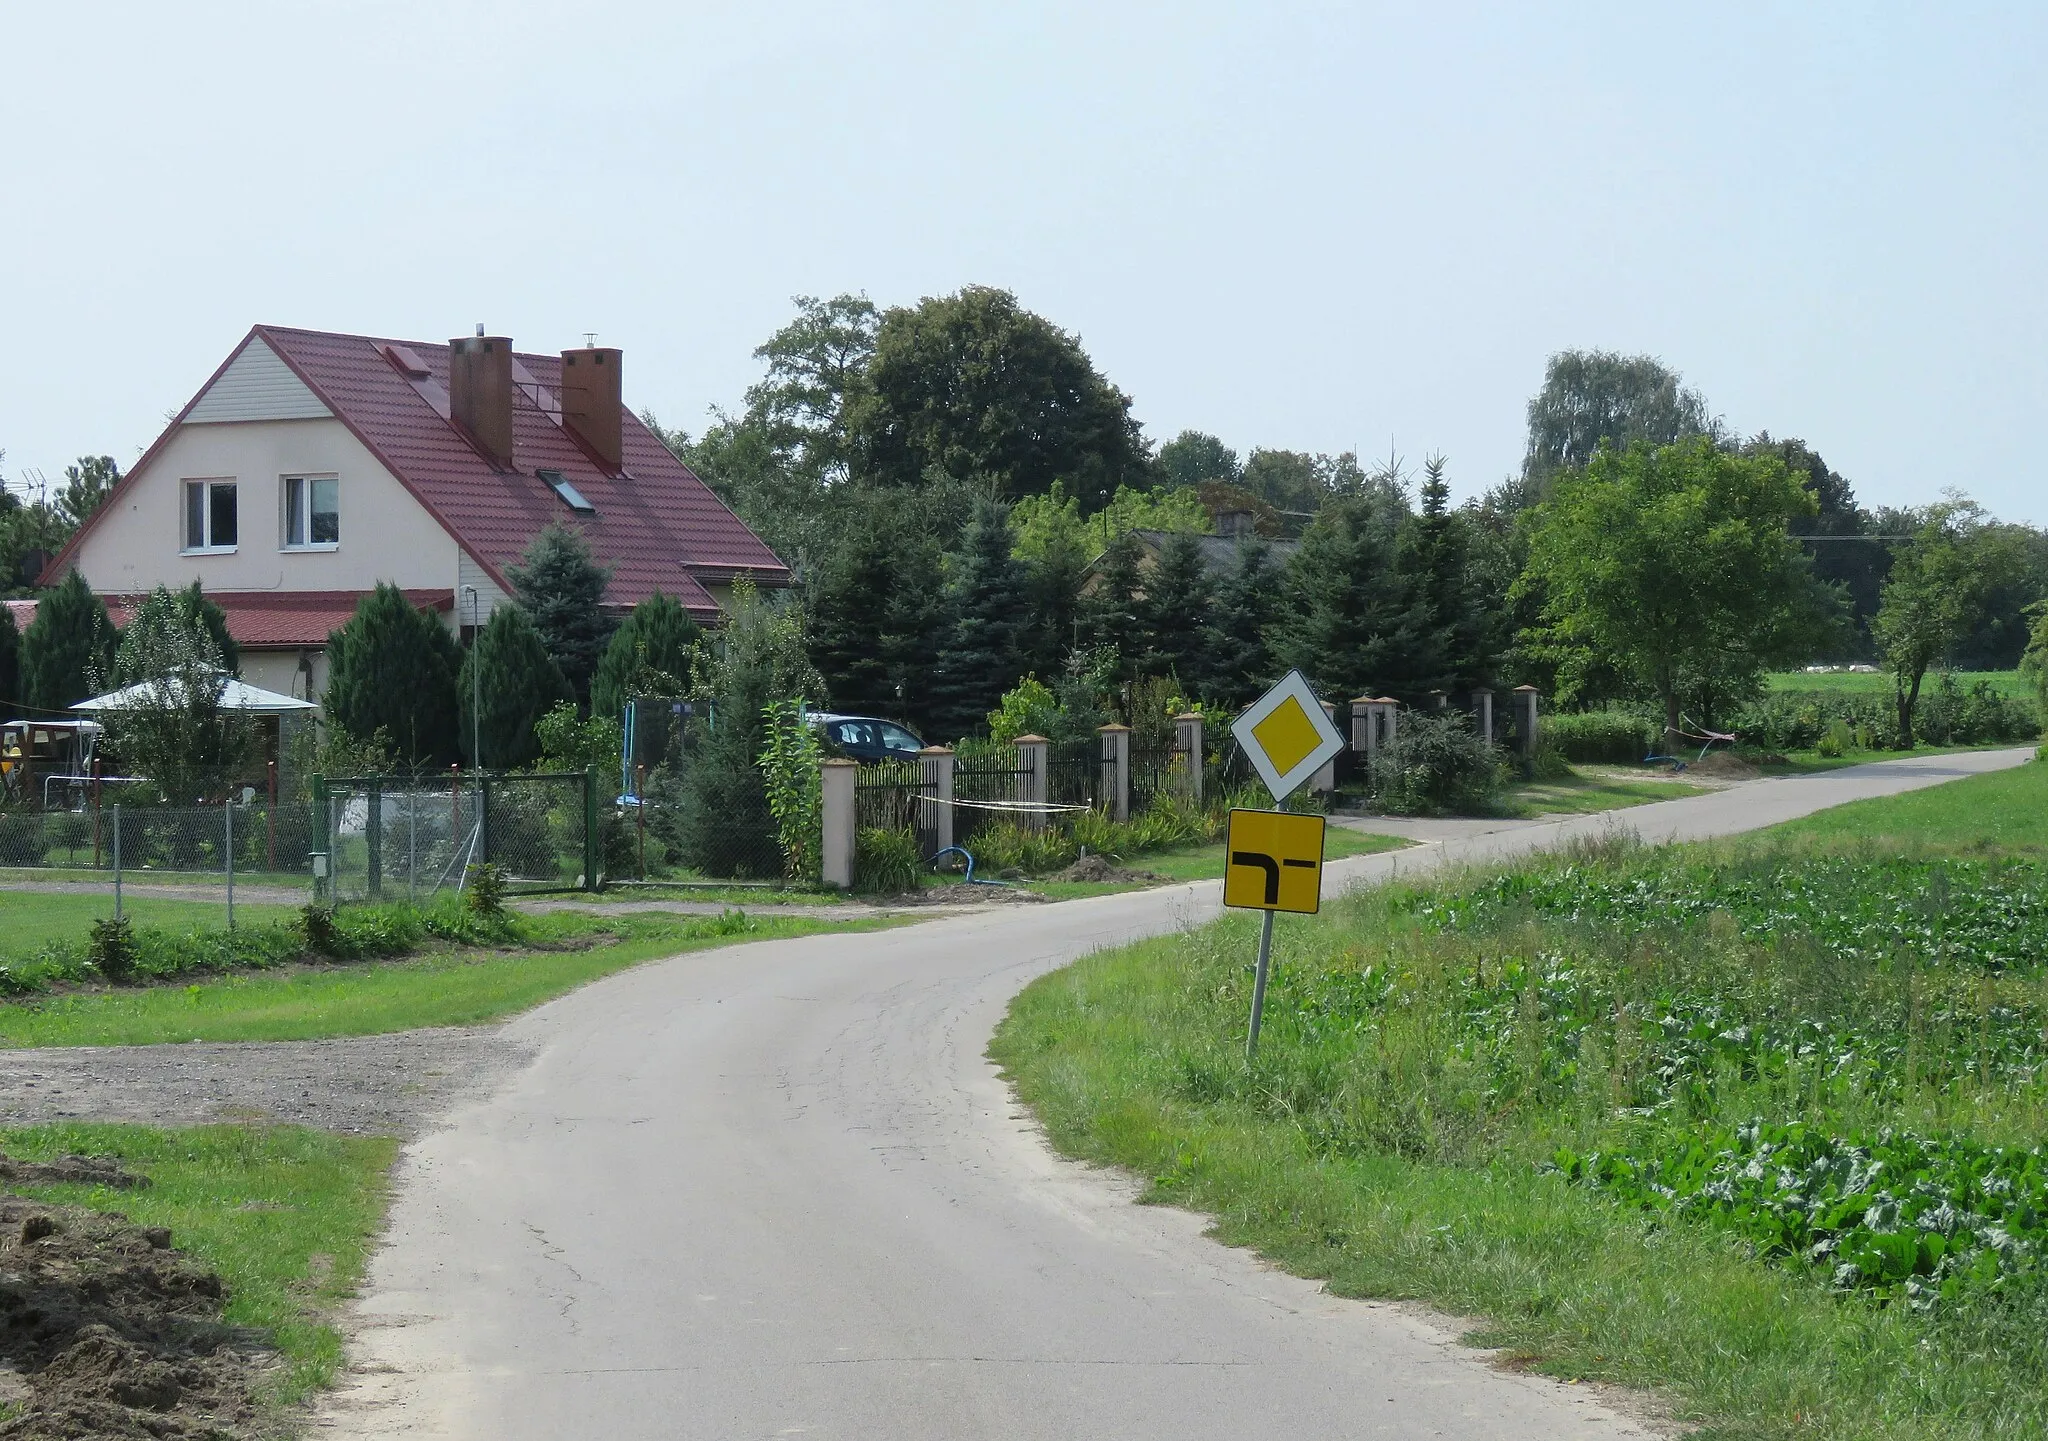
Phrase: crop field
pixel 1756 1126
pixel 2003 682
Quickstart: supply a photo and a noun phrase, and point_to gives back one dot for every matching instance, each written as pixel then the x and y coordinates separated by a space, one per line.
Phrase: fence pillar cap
pixel 1031 741
pixel 1111 728
pixel 1530 688
pixel 839 761
pixel 936 751
pixel 1367 699
pixel 1189 715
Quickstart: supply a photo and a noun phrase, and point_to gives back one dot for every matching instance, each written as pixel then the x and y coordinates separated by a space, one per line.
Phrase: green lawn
pixel 1205 863
pixel 285 1214
pixel 1592 789
pixel 458 988
pixel 1873 976
pixel 32 919
pixel 2005 682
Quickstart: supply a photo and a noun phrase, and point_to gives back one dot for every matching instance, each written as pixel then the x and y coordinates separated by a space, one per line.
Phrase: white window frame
pixel 284 510
pixel 185 484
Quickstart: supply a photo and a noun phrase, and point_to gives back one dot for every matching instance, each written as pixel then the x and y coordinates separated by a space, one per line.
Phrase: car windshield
pixel 896 738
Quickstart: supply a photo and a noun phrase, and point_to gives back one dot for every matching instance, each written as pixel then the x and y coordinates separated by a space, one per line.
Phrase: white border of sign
pixel 1293 684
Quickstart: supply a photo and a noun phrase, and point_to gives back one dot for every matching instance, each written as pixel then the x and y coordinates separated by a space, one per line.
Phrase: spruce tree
pixel 1113 608
pixel 561 589
pixel 877 613
pixel 1239 664
pixel 10 665
pixel 519 683
pixel 983 652
pixel 1179 599
pixel 392 668
pixel 67 650
pixel 1053 581
pixel 1351 621
pixel 649 654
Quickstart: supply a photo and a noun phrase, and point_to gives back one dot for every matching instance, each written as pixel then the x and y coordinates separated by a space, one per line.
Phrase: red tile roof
pixel 264 620
pixel 656 524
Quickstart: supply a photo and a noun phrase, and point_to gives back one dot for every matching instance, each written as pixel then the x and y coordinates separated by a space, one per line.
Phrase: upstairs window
pixel 312 512
pixel 211 516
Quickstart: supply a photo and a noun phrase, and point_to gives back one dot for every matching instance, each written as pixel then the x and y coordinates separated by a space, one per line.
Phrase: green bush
pixel 1601 736
pixel 885 862
pixel 112 950
pixel 1436 764
pixel 484 893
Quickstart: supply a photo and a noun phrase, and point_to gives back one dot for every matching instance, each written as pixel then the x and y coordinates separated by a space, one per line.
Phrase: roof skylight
pixel 571 496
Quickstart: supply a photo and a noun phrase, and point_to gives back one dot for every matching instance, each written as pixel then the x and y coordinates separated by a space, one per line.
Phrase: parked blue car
pixel 867 738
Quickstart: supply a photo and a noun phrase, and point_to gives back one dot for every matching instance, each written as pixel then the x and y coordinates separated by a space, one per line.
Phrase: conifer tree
pixel 1452 632
pixel 518 682
pixel 983 652
pixel 1113 609
pixel 1179 599
pixel 1248 600
pixel 1053 580
pixel 10 665
pixel 68 648
pixel 877 614
pixel 392 668
pixel 1351 621
pixel 561 588
pixel 649 654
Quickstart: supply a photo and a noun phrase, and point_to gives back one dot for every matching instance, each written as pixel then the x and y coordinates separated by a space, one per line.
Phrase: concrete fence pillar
pixel 935 823
pixel 1188 740
pixel 1526 721
pixel 1116 770
pixel 1365 737
pixel 836 783
pixel 1325 778
pixel 1482 713
pixel 1438 700
pixel 1031 761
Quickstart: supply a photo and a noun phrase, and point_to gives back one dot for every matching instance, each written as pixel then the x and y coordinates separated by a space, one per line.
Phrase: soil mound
pixel 1096 869
pixel 106 1331
pixel 1724 766
pixel 70 1171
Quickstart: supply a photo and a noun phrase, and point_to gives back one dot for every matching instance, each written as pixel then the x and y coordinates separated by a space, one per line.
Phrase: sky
pixel 1314 227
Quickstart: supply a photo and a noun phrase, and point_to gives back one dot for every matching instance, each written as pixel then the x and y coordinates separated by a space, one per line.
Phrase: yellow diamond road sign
pixel 1287 736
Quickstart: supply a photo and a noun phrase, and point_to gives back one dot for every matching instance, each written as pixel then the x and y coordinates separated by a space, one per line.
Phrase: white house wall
pixel 385 533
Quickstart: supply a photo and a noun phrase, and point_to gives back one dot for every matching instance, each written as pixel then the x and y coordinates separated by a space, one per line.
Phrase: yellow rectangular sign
pixel 1274 862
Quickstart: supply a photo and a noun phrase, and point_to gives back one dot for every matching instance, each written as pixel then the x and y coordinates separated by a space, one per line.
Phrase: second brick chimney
pixel 480 393
pixel 591 401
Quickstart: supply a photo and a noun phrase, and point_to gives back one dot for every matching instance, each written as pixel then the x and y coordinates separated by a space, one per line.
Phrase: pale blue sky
pixel 1292 225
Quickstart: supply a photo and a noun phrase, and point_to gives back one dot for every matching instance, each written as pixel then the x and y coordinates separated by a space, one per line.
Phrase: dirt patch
pixel 1721 765
pixel 960 893
pixel 107 1331
pixel 1097 870
pixel 70 1171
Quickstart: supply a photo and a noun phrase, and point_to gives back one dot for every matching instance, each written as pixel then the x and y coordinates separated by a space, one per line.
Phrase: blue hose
pixel 962 852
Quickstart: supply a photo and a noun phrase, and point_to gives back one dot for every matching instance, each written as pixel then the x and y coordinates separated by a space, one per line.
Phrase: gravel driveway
pixel 368 1085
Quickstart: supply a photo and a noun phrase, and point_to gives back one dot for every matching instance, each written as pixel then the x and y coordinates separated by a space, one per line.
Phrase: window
pixel 900 741
pixel 210 515
pixel 312 512
pixel 571 496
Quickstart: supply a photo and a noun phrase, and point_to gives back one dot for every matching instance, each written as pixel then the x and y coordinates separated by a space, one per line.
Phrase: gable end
pixel 257 385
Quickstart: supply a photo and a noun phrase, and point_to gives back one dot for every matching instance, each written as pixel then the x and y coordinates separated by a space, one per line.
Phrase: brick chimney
pixel 480 393
pixel 591 401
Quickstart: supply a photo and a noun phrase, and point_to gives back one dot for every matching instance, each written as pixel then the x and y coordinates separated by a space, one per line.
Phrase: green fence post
pixel 373 839
pixel 590 846
pixel 322 857
pixel 482 855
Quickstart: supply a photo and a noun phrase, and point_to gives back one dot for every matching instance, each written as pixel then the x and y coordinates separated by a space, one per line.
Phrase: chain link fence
pixel 400 837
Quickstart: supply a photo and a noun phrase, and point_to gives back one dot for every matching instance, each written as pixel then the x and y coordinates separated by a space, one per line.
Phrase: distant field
pixel 2005 682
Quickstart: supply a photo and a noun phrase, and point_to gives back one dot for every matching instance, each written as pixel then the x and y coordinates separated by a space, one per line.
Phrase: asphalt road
pixel 778 1191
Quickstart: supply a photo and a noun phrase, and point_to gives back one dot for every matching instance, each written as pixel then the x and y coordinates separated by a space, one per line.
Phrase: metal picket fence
pixel 391 837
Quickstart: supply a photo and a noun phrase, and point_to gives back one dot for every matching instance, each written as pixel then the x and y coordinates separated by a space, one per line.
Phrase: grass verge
pixel 1533 1096
pixel 30 920
pixel 286 1215
pixel 1594 789
pixel 450 988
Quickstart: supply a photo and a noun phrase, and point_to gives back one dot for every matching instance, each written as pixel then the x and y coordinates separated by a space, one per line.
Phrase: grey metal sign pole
pixel 1251 1041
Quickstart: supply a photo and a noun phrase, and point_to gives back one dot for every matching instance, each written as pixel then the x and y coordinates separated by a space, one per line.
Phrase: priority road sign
pixel 1274 862
pixel 1287 736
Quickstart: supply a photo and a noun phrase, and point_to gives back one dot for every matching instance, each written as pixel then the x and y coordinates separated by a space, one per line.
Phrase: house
pixel 312 466
pixel 1219 551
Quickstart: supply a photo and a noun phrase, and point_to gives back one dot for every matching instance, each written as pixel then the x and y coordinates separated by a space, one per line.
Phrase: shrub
pixel 112 949
pixel 484 894
pixel 322 936
pixel 790 755
pixel 1614 737
pixel 1436 764
pixel 23 841
pixel 885 862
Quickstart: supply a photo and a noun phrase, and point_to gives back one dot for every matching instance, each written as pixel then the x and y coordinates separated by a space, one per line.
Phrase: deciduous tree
pixel 1592 398
pixel 1934 594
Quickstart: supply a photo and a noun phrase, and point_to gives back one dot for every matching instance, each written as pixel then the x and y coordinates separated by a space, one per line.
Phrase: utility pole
pixel 476 709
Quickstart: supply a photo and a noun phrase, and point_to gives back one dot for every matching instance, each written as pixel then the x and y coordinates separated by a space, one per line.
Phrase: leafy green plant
pixel 790 757
pixel 885 862
pixel 322 935
pixel 1610 736
pixel 112 950
pixel 484 891
pixel 1436 764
